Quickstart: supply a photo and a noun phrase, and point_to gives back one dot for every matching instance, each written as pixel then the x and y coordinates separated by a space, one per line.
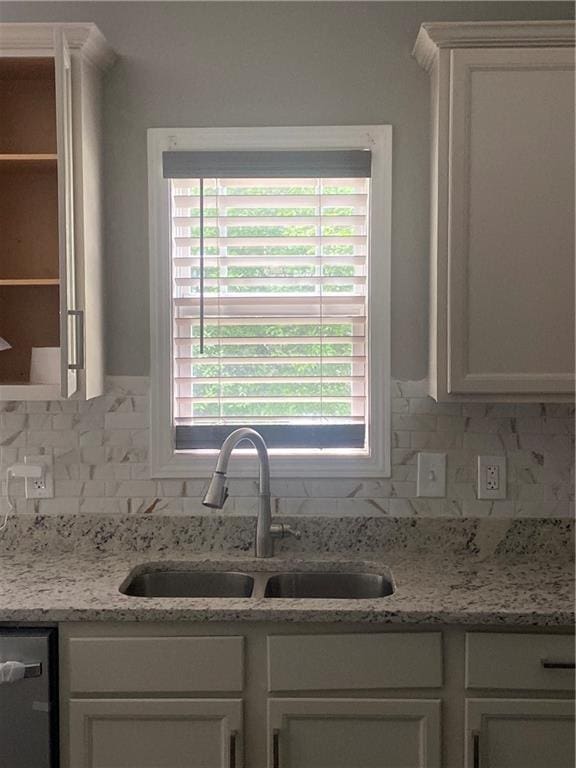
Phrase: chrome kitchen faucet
pixel 217 492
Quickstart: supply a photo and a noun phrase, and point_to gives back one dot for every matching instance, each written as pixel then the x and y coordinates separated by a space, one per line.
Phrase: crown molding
pixel 85 40
pixel 434 36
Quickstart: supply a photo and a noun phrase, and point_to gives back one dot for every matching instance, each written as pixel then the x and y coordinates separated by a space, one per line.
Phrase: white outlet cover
pixel 32 492
pixel 431 477
pixel 498 465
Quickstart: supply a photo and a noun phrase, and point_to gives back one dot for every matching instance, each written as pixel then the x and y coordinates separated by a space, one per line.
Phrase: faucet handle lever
pixel 289 531
pixel 282 531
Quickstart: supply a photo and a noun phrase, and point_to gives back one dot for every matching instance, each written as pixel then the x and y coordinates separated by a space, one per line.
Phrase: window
pixel 270 296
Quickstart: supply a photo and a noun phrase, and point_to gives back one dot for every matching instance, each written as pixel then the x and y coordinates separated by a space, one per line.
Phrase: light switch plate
pixel 491 477
pixel 42 488
pixel 431 477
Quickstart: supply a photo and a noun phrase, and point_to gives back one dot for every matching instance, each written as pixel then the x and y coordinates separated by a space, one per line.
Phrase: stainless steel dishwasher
pixel 29 707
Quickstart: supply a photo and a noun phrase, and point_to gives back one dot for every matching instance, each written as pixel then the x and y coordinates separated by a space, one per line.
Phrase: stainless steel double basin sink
pixel 328 585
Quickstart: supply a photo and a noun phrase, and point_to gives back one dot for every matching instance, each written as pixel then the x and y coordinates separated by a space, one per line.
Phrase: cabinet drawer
pixel 156 664
pixel 361 662
pixel 519 661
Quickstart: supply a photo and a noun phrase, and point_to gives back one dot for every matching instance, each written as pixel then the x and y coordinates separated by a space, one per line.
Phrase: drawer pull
pixel 78 364
pixel 557 664
pixel 276 748
pixel 233 740
pixel 476 749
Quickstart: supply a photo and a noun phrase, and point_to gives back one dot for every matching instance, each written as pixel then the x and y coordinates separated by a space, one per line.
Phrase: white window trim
pixel 164 460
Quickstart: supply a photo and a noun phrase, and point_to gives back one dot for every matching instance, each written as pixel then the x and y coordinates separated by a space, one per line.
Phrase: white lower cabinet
pixel 520 733
pixel 180 696
pixel 517 732
pixel 354 733
pixel 155 733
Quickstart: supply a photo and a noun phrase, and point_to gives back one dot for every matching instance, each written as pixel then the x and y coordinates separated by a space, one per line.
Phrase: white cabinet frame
pixel 71 341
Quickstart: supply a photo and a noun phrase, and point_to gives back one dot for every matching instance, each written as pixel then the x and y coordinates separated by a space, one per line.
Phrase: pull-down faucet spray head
pixel 217 492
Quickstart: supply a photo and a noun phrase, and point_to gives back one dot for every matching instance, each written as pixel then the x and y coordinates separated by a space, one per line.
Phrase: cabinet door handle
pixel 78 365
pixel 557 664
pixel 476 749
pixel 276 748
pixel 233 741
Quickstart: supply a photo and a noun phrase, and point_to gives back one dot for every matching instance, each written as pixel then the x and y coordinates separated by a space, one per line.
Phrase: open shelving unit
pixel 29 246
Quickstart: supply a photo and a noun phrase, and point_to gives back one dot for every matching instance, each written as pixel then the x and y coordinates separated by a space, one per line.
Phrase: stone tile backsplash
pixel 100 451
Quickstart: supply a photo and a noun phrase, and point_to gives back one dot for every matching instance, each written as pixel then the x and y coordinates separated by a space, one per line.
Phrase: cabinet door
pixel 511 221
pixel 71 331
pixel 353 733
pixel 519 733
pixel 155 733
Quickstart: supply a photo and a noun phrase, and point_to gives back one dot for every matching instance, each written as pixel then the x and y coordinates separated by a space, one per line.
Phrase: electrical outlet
pixel 491 477
pixel 40 487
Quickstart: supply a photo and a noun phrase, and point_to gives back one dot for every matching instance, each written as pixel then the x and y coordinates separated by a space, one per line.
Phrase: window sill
pixel 193 464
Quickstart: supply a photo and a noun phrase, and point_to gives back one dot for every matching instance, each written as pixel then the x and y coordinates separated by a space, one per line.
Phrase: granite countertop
pixel 520 591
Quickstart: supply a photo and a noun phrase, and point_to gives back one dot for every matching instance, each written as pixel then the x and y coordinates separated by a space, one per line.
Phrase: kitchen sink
pixel 189 584
pixel 154 581
pixel 336 586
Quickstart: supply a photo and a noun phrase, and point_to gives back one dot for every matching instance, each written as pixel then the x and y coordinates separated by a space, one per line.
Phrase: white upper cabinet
pixel 502 251
pixel 50 210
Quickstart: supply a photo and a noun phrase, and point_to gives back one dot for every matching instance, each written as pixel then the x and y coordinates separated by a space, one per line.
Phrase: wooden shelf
pixel 15 281
pixel 27 158
pixel 32 281
pixel 28 164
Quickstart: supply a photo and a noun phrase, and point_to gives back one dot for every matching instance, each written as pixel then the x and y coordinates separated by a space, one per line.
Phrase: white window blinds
pixel 269 280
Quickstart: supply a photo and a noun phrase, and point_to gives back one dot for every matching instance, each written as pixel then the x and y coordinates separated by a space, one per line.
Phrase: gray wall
pixel 250 64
